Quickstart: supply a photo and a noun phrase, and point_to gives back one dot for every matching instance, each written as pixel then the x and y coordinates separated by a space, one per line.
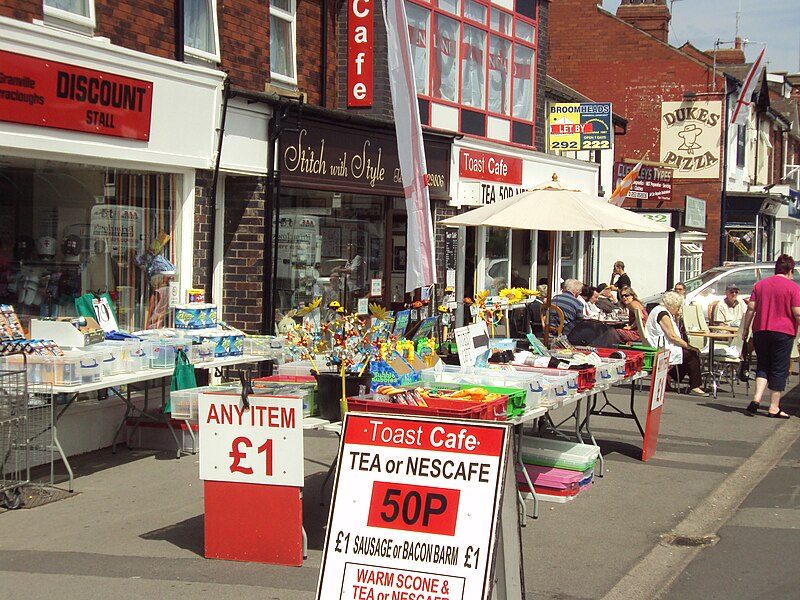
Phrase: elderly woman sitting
pixel 661 330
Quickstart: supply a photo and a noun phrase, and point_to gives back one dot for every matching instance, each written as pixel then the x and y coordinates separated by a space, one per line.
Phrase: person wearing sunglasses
pixel 629 300
pixel 731 309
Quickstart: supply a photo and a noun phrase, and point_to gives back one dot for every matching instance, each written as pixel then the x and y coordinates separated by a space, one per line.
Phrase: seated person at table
pixel 605 300
pixel 730 310
pixel 630 332
pixel 661 330
pixel 588 298
pixel 568 302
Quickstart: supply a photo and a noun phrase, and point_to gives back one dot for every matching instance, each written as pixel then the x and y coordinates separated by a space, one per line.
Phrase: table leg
pixel 521 466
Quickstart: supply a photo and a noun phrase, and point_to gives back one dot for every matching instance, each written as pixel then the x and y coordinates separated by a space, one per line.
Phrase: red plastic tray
pixel 634 359
pixel 494 410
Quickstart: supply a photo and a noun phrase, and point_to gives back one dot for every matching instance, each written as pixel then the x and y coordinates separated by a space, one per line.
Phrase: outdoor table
pixel 114 382
pixel 712 336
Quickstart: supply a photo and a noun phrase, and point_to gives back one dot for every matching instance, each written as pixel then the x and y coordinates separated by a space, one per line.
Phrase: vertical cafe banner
pixel 691 134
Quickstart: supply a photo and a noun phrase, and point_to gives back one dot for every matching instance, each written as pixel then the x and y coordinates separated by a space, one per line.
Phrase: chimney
pixel 729 56
pixel 651 16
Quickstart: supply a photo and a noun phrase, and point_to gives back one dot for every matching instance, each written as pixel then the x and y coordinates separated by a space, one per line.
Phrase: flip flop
pixel 700 394
pixel 753 407
pixel 779 415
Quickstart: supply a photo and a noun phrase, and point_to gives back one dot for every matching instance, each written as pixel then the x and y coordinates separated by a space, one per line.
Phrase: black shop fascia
pixel 339 194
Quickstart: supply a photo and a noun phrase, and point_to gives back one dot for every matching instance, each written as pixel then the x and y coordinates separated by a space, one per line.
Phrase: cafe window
pixel 329 247
pixel 474 54
pixel 282 35
pixel 200 31
pixel 69 230
pixel 71 14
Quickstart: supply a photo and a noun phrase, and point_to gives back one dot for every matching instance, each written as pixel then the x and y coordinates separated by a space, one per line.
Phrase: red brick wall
pixel 243 280
pixel 609 60
pixel 22 10
pixel 244 42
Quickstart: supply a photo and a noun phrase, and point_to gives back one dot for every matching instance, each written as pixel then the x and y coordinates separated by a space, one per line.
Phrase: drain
pixel 689 541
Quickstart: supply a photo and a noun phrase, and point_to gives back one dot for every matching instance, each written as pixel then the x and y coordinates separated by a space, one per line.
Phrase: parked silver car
pixel 710 285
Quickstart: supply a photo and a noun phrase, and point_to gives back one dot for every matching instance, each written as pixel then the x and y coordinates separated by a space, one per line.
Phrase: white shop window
pixel 200 29
pixel 76 15
pixel 282 40
pixel 691 261
pixel 419 26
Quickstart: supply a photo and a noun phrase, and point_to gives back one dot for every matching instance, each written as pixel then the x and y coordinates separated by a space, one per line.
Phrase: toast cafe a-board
pixel 658 389
pixel 415 509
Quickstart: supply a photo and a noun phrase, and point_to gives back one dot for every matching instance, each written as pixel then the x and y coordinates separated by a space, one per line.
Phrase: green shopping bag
pixel 183 376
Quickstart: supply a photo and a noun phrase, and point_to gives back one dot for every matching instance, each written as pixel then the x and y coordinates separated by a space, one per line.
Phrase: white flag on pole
pixel 742 104
pixel 420 258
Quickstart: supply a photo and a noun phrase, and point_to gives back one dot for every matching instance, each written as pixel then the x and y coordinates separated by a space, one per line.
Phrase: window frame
pixel 59 16
pixel 435 10
pixel 202 54
pixel 291 18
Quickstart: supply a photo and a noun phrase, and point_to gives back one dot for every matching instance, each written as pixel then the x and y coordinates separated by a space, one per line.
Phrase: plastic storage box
pixel 89 367
pixel 547 452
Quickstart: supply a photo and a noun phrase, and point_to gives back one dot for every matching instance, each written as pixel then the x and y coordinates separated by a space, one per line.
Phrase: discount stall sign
pixel 415 509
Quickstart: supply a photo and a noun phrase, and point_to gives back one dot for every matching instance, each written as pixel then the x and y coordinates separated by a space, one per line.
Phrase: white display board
pixel 415 509
pixel 471 341
pixel 260 444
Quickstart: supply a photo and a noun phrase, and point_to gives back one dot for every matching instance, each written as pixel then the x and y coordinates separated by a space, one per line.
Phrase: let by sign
pixel 359 53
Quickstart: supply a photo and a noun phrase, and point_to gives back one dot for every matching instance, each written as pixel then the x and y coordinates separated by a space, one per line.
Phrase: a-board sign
pixel 415 509
pixel 259 444
pixel 658 389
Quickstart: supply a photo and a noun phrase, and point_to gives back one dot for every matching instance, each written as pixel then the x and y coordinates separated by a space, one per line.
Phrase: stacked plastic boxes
pixel 559 470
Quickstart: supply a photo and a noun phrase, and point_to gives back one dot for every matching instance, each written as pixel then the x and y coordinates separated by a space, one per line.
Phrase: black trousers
pixel 690 366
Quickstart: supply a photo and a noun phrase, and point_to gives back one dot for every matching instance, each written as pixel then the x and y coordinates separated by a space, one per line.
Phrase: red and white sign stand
pixel 422 508
pixel 658 389
pixel 252 466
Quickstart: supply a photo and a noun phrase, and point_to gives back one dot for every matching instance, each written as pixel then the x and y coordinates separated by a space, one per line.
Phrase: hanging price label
pixel 104 315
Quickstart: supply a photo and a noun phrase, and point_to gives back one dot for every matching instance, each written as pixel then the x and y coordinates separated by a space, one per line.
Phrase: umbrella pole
pixel 551 278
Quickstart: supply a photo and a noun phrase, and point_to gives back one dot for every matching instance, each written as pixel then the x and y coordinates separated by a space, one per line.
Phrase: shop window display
pixel 69 230
pixel 328 248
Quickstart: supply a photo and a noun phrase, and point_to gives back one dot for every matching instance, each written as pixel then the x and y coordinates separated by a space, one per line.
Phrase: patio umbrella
pixel 553 207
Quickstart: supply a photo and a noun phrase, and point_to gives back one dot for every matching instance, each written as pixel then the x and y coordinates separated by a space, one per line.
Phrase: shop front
pixel 97 173
pixel 341 217
pixel 753 225
pixel 494 258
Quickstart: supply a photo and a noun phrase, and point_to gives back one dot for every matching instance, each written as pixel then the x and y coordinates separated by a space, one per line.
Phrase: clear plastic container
pixel 547 452
pixel 161 354
pixel 90 367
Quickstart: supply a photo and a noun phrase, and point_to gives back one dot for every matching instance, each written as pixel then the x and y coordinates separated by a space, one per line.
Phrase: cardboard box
pixel 65 331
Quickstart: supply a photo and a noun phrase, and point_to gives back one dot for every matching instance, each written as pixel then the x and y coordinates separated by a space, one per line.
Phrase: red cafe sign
pixel 34 91
pixel 489 167
pixel 359 53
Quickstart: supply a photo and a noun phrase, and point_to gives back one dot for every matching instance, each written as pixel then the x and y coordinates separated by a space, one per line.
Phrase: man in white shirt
pixel 731 309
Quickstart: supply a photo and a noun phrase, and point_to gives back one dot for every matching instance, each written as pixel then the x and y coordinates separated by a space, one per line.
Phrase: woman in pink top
pixel 774 311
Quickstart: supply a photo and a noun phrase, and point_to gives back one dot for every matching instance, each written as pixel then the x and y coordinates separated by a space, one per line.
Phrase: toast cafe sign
pixel 320 155
pixel 360 20
pixel 489 167
pixel 690 138
pixel 46 93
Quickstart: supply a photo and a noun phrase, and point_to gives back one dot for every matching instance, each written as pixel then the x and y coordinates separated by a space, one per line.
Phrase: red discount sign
pixel 34 91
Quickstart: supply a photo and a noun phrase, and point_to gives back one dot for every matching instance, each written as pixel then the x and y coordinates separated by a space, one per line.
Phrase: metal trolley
pixel 14 467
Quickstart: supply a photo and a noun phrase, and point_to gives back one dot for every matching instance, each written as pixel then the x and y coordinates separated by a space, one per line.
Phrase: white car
pixel 710 285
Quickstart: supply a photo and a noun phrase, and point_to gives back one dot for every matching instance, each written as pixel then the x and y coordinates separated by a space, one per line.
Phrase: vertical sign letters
pixel 359 53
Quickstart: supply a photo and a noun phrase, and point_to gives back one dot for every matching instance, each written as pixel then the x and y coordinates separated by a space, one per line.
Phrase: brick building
pixel 626 59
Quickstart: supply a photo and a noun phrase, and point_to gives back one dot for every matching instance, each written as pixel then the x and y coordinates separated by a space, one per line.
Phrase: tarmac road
pixel 134 529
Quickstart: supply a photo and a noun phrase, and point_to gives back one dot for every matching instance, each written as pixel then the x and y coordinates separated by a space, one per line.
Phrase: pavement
pixel 723 486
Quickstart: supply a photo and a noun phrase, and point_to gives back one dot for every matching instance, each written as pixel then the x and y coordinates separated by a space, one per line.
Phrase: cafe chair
pixel 728 363
pixel 554 325
pixel 640 326
pixel 711 308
